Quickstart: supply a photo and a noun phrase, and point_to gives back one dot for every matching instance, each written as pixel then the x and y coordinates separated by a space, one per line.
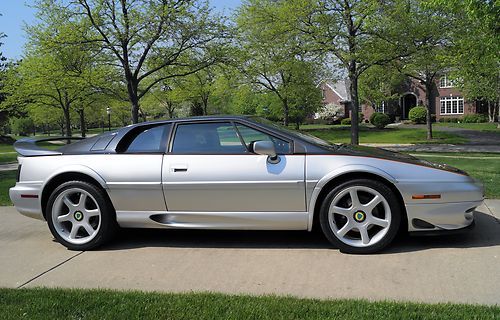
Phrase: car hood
pixel 371 152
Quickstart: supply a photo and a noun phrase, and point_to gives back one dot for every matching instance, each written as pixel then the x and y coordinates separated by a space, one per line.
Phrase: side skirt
pixel 214 220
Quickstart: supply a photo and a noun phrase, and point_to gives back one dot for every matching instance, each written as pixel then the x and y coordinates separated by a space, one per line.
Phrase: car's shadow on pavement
pixel 485 234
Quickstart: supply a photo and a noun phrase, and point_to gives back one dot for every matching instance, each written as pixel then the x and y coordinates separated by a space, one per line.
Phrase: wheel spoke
pixel 379 222
pixel 64 217
pixel 74 231
pixel 345 229
pixel 92 213
pixel 373 203
pixel 88 228
pixel 365 238
pixel 83 198
pixel 342 211
pixel 355 199
pixel 68 202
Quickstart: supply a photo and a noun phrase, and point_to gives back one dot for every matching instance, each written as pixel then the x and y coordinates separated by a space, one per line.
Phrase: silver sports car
pixel 236 173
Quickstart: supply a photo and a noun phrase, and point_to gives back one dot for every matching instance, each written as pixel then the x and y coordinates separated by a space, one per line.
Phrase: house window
pixel 381 107
pixel 445 82
pixel 452 105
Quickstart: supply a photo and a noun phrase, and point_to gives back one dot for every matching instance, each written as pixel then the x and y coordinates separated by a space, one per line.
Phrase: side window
pixel 207 138
pixel 146 140
pixel 249 135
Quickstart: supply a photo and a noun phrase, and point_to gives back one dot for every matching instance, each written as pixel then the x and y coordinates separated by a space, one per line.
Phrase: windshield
pixel 300 135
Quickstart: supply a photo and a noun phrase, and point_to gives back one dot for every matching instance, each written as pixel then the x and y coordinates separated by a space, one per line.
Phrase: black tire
pixel 108 224
pixel 394 224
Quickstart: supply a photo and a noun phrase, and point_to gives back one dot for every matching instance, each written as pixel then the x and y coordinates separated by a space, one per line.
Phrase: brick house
pixel 448 100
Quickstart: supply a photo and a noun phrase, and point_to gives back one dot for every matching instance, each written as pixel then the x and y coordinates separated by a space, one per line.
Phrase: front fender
pixel 342 170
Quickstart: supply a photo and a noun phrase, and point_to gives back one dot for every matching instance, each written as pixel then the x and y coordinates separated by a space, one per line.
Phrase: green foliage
pixel 22 126
pixel 418 114
pixel 474 118
pixel 380 120
pixel 270 57
pixel 345 121
pixel 449 119
pixel 476 45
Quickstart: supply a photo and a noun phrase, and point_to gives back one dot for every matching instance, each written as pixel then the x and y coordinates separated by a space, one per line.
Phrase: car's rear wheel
pixel 360 216
pixel 80 216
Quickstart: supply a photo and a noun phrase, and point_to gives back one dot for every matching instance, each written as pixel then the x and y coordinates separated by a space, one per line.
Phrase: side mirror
pixel 265 148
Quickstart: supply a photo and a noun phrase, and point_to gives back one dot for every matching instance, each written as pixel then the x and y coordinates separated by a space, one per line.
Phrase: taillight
pixel 18 175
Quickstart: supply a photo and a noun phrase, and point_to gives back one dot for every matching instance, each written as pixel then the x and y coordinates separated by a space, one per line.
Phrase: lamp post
pixel 108 111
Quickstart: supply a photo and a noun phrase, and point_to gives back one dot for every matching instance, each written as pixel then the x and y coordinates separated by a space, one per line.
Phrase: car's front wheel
pixel 360 216
pixel 79 216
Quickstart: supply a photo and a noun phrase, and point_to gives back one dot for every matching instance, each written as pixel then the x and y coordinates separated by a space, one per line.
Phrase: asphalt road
pixel 460 268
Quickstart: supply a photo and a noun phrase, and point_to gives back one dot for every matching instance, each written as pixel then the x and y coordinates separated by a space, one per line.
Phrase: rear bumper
pixel 27 199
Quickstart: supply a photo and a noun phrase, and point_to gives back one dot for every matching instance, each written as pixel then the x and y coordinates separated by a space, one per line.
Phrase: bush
pixel 474 118
pixel 361 117
pixel 346 121
pixel 331 113
pixel 22 126
pixel 380 120
pixel 418 115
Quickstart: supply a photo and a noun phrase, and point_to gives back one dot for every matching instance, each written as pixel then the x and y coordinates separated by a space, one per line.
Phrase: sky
pixel 16 13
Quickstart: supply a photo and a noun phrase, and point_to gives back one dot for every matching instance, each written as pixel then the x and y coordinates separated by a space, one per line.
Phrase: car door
pixel 209 169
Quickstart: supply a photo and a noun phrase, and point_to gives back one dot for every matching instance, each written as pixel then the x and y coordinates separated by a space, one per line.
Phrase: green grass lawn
pixel 341 134
pixel 44 303
pixel 476 164
pixel 8 157
pixel 487 126
pixel 7 180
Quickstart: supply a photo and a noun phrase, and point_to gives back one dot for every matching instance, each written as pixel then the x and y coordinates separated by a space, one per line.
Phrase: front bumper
pixel 440 216
pixel 28 206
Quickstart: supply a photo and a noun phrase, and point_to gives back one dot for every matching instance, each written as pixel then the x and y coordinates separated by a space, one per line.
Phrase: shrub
pixel 380 120
pixel 474 118
pixel 418 115
pixel 22 126
pixel 449 119
pixel 361 117
pixel 346 121
pixel 331 113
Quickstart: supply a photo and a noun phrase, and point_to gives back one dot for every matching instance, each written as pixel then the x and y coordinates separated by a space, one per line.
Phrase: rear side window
pixel 207 138
pixel 147 139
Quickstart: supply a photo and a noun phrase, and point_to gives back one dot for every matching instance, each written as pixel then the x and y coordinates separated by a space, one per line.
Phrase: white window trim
pixel 447 82
pixel 451 100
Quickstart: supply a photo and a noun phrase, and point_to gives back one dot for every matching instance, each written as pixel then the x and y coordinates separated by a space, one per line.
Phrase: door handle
pixel 179 168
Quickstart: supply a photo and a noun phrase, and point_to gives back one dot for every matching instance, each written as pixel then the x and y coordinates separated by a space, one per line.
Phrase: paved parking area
pixel 459 268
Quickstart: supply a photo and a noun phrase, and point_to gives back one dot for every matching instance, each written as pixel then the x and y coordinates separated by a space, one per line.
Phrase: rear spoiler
pixel 28 147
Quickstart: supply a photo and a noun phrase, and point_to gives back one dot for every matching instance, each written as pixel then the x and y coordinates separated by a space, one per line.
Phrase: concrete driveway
pixel 459 268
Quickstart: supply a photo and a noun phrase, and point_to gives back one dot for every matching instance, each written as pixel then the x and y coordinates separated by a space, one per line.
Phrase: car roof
pixel 197 118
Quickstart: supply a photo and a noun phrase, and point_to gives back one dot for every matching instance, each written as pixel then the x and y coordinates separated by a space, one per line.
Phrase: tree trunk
pixel 286 113
pixel 170 109
pixel 205 106
pixel 67 122
pixel 83 128
pixel 429 97
pixel 491 111
pixel 133 96
pixel 354 105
